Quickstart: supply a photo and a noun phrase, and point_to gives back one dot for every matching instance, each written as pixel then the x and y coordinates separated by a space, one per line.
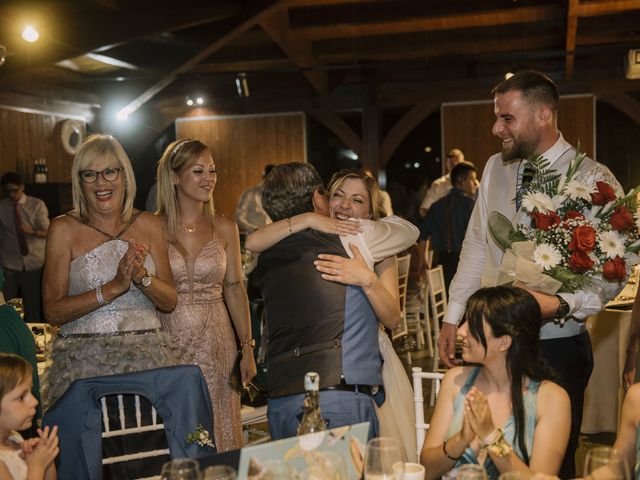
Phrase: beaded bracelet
pixel 99 297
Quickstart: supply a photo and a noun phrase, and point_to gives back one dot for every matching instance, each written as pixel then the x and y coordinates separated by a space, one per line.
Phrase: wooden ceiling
pixel 312 55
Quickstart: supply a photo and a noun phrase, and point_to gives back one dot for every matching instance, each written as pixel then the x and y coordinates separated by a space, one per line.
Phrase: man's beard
pixel 522 148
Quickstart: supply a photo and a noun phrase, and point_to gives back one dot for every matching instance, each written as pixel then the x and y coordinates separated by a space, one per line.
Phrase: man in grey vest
pixel 314 324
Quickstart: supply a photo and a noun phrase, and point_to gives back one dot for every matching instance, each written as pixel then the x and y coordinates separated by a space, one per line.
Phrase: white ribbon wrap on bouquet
pixel 517 265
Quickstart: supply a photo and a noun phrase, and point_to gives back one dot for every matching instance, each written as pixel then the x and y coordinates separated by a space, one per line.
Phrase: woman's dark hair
pixel 511 311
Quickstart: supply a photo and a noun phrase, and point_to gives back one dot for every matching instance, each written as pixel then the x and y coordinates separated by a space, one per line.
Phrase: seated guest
pixel 106 271
pixel 628 439
pixel 16 338
pixel 504 413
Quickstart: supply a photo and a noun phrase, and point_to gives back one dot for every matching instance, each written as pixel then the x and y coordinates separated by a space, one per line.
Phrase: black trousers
pixel 572 360
pixel 29 284
pixel 449 262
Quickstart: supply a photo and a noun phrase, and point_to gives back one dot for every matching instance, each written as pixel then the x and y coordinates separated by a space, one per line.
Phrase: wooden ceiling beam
pixel 296 47
pixel 446 22
pixel 570 41
pixel 248 20
pixel 597 8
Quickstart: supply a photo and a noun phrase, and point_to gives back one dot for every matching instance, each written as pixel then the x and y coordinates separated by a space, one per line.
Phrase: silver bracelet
pixel 99 297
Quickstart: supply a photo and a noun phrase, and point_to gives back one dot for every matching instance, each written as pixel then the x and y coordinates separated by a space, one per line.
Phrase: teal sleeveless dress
pixel 529 400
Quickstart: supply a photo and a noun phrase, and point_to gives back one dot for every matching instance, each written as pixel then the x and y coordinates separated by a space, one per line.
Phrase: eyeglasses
pixel 110 174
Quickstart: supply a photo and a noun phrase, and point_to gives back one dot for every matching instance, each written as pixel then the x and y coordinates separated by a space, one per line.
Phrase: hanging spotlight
pixel 189 102
pixel 30 34
pixel 199 100
pixel 242 85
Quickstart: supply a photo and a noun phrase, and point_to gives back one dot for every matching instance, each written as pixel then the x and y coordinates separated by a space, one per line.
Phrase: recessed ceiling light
pixel 30 34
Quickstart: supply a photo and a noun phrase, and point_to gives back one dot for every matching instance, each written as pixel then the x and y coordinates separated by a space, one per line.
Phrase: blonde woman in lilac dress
pixel 204 253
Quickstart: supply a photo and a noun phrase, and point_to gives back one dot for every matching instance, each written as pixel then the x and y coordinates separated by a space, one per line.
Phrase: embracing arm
pixel 629 371
pixel 267 236
pixel 235 296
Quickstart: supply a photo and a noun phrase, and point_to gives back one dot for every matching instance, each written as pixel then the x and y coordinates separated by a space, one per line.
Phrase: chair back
pixel 130 422
pixel 403 278
pixel 428 253
pixel 438 303
pixel 421 426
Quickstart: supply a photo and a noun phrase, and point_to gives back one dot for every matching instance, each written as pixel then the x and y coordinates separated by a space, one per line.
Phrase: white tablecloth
pixel 609 332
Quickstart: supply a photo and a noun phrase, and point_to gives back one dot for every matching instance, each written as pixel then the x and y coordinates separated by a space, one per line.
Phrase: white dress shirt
pixel 480 253
pixel 34 213
pixel 438 189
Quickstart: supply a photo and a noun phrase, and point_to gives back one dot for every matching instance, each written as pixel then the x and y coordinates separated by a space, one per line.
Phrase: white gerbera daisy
pixel 578 190
pixel 537 201
pixel 611 243
pixel 547 256
pixel 637 217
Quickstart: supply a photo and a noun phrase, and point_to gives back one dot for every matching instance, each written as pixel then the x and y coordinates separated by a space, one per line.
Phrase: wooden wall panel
pixel 468 126
pixel 242 146
pixel 26 136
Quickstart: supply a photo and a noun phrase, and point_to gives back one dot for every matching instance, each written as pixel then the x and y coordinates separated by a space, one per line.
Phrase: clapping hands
pixel 40 453
pixel 131 266
pixel 478 414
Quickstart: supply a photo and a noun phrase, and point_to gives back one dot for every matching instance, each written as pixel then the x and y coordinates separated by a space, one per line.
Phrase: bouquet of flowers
pixel 577 230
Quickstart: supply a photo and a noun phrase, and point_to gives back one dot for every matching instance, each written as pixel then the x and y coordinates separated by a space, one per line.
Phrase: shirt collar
pixel 557 150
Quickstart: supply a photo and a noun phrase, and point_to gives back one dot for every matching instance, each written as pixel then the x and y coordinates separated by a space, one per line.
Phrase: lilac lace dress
pixel 201 331
pixel 122 336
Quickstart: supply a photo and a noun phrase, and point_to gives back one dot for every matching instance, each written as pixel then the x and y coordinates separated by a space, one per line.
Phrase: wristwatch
pixel 145 281
pixel 563 309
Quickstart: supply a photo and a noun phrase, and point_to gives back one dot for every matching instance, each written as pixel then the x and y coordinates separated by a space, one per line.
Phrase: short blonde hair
pixel 99 146
pixel 370 184
pixel 13 371
pixel 177 157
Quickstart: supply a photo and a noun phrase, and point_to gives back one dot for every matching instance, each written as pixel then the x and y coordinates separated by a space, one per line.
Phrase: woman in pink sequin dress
pixel 204 252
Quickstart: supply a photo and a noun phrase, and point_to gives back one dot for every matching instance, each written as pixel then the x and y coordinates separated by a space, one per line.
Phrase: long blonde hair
pixel 178 156
pixel 100 146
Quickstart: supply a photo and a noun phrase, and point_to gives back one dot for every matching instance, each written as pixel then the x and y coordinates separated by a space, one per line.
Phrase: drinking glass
pixel 605 463
pixel 383 459
pixel 219 472
pixel 471 471
pixel 180 469
pixel 277 470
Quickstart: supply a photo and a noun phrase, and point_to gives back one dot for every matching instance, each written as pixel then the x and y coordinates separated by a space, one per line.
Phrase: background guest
pixel 441 186
pixel 106 272
pixel 24 221
pixel 204 251
pixel 249 213
pixel 505 414
pixel 16 338
pixel 447 219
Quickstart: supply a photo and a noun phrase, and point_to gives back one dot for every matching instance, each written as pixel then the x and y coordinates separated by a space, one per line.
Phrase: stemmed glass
pixel 471 471
pixel 605 463
pixel 180 469
pixel 219 472
pixel 383 459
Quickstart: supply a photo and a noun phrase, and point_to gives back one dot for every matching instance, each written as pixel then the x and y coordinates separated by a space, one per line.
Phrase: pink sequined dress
pixel 202 334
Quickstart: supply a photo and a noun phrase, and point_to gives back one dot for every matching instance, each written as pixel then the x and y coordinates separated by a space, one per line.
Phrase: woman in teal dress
pixel 503 412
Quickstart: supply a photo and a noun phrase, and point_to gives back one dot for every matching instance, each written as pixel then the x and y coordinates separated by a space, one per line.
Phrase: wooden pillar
pixel 371 137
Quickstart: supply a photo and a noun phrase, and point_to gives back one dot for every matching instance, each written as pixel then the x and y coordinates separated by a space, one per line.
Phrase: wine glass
pixel 515 475
pixel 383 459
pixel 219 472
pixel 180 469
pixel 605 463
pixel 471 471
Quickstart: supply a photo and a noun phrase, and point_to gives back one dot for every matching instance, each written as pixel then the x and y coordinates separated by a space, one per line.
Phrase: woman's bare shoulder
pixel 65 222
pixel 225 225
pixel 552 396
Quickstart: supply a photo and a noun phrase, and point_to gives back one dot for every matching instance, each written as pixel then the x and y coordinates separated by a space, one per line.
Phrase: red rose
pixel 583 239
pixel 580 262
pixel 544 221
pixel 604 194
pixel 614 270
pixel 622 219
pixel 573 215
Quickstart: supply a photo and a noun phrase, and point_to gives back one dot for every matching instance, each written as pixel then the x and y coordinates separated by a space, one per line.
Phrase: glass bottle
pixel 312 420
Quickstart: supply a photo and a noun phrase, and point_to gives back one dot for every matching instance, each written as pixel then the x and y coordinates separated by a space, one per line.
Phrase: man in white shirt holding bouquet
pixel 526 107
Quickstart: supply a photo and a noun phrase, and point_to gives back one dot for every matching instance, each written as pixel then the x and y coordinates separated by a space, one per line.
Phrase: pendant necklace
pixel 190 228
